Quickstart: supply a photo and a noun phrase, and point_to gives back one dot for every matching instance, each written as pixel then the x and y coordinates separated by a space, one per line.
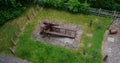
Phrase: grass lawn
pixel 39 52
pixel 7 31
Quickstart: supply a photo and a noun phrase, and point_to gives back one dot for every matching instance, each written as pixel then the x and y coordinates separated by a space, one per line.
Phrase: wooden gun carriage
pixel 55 29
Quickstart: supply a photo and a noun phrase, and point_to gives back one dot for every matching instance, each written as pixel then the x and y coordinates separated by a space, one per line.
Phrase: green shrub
pixel 73 5
pixel 8 14
pixel 13 8
pixel 105 4
pixel 10 9
pixel 84 8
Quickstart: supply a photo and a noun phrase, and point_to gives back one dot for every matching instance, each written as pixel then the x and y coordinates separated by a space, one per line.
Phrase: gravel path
pixel 11 59
pixel 111 44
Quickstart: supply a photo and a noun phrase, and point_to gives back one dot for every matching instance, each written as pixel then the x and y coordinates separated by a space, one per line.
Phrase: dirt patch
pixel 57 40
pixel 90 44
pixel 89 35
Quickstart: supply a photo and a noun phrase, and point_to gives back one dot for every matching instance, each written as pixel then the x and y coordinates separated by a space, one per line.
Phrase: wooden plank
pixel 72 35
pixel 61 27
pixel 14 43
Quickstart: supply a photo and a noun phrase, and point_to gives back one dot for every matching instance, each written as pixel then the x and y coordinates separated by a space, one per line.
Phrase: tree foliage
pixel 73 5
pixel 10 9
pixel 105 4
pixel 84 8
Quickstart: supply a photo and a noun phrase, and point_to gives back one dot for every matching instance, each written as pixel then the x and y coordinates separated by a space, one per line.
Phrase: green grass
pixel 39 52
pixel 8 29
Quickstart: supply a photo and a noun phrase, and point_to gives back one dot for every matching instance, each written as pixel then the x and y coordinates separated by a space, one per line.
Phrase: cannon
pixel 113 31
pixel 55 29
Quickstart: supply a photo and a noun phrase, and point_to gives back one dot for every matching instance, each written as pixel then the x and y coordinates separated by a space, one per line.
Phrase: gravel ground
pixel 11 59
pixel 56 40
pixel 111 44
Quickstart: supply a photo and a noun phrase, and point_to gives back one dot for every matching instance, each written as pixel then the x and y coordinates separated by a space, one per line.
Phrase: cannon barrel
pixel 113 31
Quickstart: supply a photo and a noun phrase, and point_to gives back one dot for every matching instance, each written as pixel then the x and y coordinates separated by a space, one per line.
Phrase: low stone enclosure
pixel 61 38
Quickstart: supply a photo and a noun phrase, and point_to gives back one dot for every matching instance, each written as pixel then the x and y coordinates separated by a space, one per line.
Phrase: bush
pixel 13 8
pixel 10 9
pixel 58 3
pixel 84 8
pixel 8 14
pixel 71 5
pixel 105 4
